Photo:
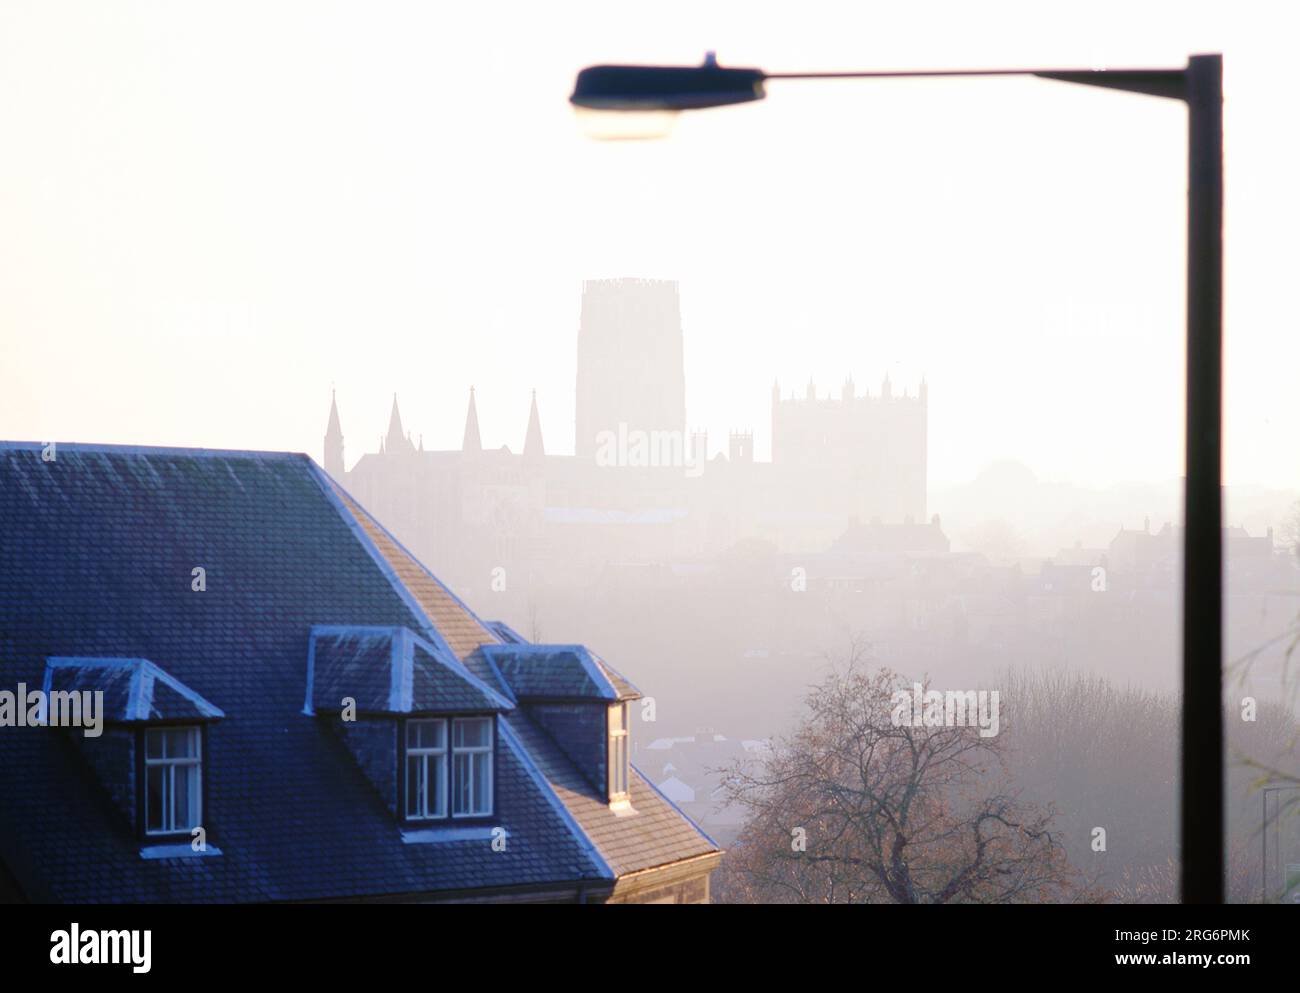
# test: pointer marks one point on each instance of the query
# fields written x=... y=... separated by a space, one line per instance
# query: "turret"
x=741 y=446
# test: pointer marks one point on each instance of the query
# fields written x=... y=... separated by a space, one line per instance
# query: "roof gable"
x=390 y=670
x=134 y=689
x=556 y=672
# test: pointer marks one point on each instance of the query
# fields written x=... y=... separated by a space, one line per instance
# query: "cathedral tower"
x=630 y=367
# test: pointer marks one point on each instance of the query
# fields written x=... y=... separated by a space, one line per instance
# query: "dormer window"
x=150 y=755
x=618 y=757
x=455 y=774
x=424 y=728
x=580 y=702
x=173 y=780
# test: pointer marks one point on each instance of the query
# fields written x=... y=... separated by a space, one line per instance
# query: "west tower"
x=630 y=368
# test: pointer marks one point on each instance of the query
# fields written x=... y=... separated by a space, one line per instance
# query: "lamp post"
x=659 y=90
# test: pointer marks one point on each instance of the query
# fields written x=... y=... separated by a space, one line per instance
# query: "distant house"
x=294 y=708
x=677 y=791
x=692 y=771
x=1153 y=557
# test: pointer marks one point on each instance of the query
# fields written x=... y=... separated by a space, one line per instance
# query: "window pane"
x=437 y=786
x=154 y=780
x=186 y=805
x=482 y=780
x=413 y=785
x=154 y=744
x=181 y=742
x=426 y=770
x=460 y=784
x=473 y=732
x=426 y=734
x=435 y=734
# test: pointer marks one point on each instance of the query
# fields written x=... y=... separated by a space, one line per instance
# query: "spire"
x=334 y=440
x=333 y=429
x=395 y=425
x=886 y=388
x=533 y=447
x=396 y=439
x=471 y=442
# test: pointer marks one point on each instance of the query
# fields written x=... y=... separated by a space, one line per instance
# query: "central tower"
x=630 y=368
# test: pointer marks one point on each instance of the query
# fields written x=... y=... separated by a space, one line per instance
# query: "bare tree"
x=997 y=541
x=1289 y=532
x=534 y=622
x=1108 y=756
x=856 y=808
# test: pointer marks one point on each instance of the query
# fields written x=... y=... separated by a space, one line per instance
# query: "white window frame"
x=490 y=751
x=170 y=764
x=617 y=755
x=424 y=754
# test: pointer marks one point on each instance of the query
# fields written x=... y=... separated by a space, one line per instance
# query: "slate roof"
x=96 y=553
x=556 y=672
x=657 y=832
x=391 y=671
x=134 y=689
x=454 y=624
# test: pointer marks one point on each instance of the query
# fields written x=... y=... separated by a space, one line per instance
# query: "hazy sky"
x=211 y=213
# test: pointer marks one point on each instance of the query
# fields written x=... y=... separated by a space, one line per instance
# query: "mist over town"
x=752 y=455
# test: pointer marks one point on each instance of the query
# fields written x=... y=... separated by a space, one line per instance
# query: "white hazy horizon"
x=211 y=215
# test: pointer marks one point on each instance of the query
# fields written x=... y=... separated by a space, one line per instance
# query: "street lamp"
x=635 y=91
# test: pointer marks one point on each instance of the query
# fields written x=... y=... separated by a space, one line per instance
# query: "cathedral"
x=639 y=487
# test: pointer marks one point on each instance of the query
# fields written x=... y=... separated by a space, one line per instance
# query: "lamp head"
x=658 y=92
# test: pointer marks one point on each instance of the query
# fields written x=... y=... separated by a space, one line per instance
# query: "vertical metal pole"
x=1202 y=727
